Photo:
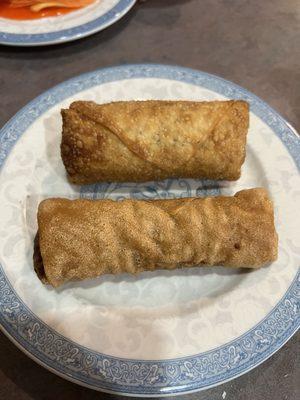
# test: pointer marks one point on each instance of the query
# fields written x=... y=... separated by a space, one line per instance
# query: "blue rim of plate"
x=142 y=377
x=68 y=35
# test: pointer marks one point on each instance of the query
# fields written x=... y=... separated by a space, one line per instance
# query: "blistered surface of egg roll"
x=153 y=140
x=80 y=239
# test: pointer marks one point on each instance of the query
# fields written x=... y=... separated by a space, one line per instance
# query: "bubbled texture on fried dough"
x=81 y=239
x=153 y=140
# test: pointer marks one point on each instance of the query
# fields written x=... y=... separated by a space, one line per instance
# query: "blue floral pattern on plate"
x=140 y=377
x=167 y=189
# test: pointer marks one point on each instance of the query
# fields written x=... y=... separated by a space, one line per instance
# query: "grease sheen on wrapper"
x=80 y=239
x=153 y=140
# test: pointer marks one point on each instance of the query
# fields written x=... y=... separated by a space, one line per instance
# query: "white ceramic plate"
x=161 y=332
x=72 y=26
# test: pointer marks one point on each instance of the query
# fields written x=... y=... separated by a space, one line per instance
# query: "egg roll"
x=79 y=239
x=132 y=141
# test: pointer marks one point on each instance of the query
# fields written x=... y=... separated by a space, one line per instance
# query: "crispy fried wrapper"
x=79 y=239
x=153 y=140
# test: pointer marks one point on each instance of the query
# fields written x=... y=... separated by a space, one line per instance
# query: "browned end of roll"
x=38 y=259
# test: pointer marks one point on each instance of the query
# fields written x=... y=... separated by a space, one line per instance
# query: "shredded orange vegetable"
x=38 y=5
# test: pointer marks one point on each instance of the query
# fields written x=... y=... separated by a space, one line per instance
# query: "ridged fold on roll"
x=153 y=140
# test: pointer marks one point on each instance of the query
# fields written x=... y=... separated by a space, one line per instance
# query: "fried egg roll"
x=79 y=239
x=131 y=141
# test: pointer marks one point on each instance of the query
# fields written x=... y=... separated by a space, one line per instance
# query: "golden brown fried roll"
x=80 y=239
x=152 y=140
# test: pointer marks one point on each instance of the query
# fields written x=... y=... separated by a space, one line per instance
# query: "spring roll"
x=153 y=140
x=80 y=239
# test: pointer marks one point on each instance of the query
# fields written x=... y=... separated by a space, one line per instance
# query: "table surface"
x=252 y=43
